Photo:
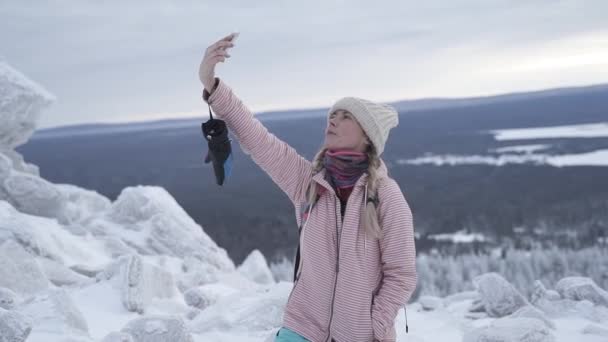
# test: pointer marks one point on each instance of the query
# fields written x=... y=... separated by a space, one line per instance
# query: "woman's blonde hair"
x=369 y=217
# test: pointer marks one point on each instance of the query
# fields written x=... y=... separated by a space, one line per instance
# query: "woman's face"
x=343 y=132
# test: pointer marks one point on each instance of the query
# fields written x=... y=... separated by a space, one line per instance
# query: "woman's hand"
x=215 y=53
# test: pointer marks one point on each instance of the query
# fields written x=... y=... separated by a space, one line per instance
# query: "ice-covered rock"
x=21 y=103
x=86 y=270
x=582 y=288
x=13 y=161
x=158 y=328
x=60 y=275
x=572 y=308
x=19 y=271
x=429 y=303
x=255 y=268
x=81 y=204
x=14 y=327
x=156 y=224
x=506 y=329
x=118 y=337
x=259 y=309
x=499 y=297
x=594 y=329
x=143 y=281
x=8 y=298
x=540 y=292
x=33 y=195
x=198 y=298
x=532 y=312
x=54 y=312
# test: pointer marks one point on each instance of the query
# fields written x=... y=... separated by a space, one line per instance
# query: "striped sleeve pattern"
x=288 y=169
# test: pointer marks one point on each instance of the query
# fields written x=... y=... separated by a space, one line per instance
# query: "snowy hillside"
x=77 y=267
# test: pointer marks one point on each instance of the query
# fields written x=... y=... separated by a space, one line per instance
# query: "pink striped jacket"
x=349 y=287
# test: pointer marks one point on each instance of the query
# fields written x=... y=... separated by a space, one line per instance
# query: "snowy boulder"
x=572 y=308
x=160 y=226
x=14 y=327
x=81 y=203
x=86 y=270
x=511 y=330
x=429 y=303
x=33 y=195
x=256 y=269
x=594 y=329
x=498 y=296
x=118 y=337
x=581 y=288
x=6 y=166
x=60 y=275
x=17 y=163
x=19 y=271
x=21 y=103
x=45 y=237
x=141 y=282
x=199 y=299
x=532 y=312
x=54 y=312
x=8 y=298
x=158 y=329
x=540 y=292
x=247 y=311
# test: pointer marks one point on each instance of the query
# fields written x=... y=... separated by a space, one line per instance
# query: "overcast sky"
x=118 y=61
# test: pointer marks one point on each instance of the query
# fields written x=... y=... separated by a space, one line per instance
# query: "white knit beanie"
x=376 y=119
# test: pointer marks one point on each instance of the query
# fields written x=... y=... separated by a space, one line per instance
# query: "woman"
x=357 y=266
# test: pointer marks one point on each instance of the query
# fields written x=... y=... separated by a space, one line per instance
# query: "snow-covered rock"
x=256 y=310
x=199 y=298
x=33 y=195
x=594 y=329
x=19 y=271
x=54 y=312
x=582 y=288
x=21 y=104
x=540 y=292
x=81 y=204
x=142 y=282
x=158 y=328
x=532 y=312
x=572 y=308
x=156 y=224
x=118 y=337
x=8 y=298
x=60 y=275
x=256 y=268
x=499 y=297
x=511 y=330
x=14 y=327
x=47 y=238
x=430 y=302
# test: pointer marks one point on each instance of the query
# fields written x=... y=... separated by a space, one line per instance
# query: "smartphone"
x=236 y=35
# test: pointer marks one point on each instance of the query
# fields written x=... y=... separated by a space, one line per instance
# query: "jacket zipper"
x=336 y=278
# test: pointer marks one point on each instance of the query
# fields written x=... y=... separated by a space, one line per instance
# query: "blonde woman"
x=357 y=254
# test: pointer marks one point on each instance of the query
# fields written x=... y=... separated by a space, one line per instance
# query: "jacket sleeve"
x=398 y=258
x=288 y=169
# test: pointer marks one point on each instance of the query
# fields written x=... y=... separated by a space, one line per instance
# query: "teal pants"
x=288 y=335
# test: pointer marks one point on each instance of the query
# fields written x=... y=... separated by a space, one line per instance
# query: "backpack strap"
x=303 y=218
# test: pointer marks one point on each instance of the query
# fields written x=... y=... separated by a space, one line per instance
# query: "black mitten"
x=220 y=151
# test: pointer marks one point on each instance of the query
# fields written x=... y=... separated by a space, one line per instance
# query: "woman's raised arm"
x=285 y=166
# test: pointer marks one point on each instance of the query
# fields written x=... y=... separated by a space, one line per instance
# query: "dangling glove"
x=220 y=150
